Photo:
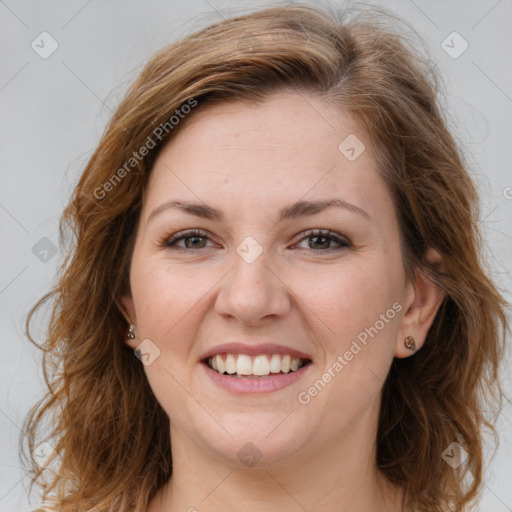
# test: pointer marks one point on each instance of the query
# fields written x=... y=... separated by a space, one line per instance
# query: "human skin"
x=249 y=161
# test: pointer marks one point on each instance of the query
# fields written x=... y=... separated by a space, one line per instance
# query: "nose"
x=252 y=291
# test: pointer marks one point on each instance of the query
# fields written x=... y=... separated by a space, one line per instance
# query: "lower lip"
x=257 y=384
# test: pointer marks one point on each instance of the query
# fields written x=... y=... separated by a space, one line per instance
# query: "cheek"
x=163 y=290
x=355 y=315
x=359 y=310
x=351 y=297
x=171 y=302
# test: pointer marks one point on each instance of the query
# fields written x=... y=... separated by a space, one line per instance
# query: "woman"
x=276 y=300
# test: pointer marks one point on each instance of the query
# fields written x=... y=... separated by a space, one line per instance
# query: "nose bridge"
x=251 y=291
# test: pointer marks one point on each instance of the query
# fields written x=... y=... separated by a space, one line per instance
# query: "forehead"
x=286 y=147
x=285 y=120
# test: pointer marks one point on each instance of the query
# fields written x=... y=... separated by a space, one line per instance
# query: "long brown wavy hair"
x=110 y=435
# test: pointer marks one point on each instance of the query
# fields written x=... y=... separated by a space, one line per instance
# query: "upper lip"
x=254 y=350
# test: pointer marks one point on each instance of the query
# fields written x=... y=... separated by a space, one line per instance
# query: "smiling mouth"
x=243 y=366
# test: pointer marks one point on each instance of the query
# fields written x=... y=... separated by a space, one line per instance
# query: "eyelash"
x=343 y=243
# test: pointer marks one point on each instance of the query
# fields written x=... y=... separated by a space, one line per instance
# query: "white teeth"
x=261 y=365
x=230 y=364
x=275 y=363
x=244 y=365
x=221 y=365
x=285 y=363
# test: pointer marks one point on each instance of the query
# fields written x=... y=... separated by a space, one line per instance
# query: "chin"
x=256 y=440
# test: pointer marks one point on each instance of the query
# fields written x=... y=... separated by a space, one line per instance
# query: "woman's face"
x=261 y=284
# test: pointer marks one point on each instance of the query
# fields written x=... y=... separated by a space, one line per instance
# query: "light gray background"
x=54 y=110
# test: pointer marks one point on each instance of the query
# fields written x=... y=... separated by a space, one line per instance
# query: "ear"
x=128 y=310
x=424 y=299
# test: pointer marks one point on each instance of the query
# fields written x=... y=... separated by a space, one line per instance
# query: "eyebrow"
x=295 y=210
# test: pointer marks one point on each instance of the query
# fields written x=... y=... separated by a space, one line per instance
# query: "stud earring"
x=410 y=343
x=131 y=332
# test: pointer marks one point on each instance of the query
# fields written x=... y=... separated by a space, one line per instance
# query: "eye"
x=196 y=237
x=320 y=240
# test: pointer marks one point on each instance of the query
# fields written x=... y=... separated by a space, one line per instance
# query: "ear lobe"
x=128 y=309
x=420 y=314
